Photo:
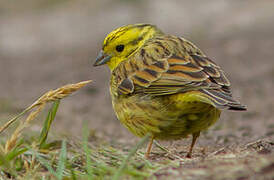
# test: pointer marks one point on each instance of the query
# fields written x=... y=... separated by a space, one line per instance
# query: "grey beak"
x=101 y=59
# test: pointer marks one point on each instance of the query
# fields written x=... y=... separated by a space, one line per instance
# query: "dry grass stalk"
x=50 y=96
x=59 y=93
x=26 y=165
x=14 y=137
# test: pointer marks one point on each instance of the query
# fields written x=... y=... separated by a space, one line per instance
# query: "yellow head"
x=123 y=42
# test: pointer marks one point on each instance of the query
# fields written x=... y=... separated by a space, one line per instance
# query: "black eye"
x=120 y=48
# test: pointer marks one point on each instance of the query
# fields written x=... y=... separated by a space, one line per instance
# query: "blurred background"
x=45 y=44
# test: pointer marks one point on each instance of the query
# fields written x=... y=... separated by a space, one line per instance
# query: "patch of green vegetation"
x=35 y=158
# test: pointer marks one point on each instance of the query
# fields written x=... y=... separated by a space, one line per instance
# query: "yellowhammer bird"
x=162 y=84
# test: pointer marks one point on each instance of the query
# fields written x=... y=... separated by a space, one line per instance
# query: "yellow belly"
x=166 y=117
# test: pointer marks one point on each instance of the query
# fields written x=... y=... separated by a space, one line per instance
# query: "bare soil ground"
x=46 y=45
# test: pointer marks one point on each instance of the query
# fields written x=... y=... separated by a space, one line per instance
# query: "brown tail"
x=224 y=100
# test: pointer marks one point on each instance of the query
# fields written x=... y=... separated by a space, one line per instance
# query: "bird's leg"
x=149 y=146
x=194 y=138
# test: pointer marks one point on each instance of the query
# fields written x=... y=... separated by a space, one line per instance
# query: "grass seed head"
x=48 y=97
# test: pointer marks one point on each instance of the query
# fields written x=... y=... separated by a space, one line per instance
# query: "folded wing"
x=181 y=74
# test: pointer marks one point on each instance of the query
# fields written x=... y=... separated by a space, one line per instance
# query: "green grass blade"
x=62 y=161
x=48 y=122
x=15 y=152
x=6 y=166
x=72 y=172
x=119 y=173
x=87 y=151
x=44 y=162
x=3 y=161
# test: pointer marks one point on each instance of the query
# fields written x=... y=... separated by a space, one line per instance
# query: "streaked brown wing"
x=173 y=75
x=176 y=74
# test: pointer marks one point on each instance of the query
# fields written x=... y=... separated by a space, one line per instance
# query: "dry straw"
x=50 y=96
